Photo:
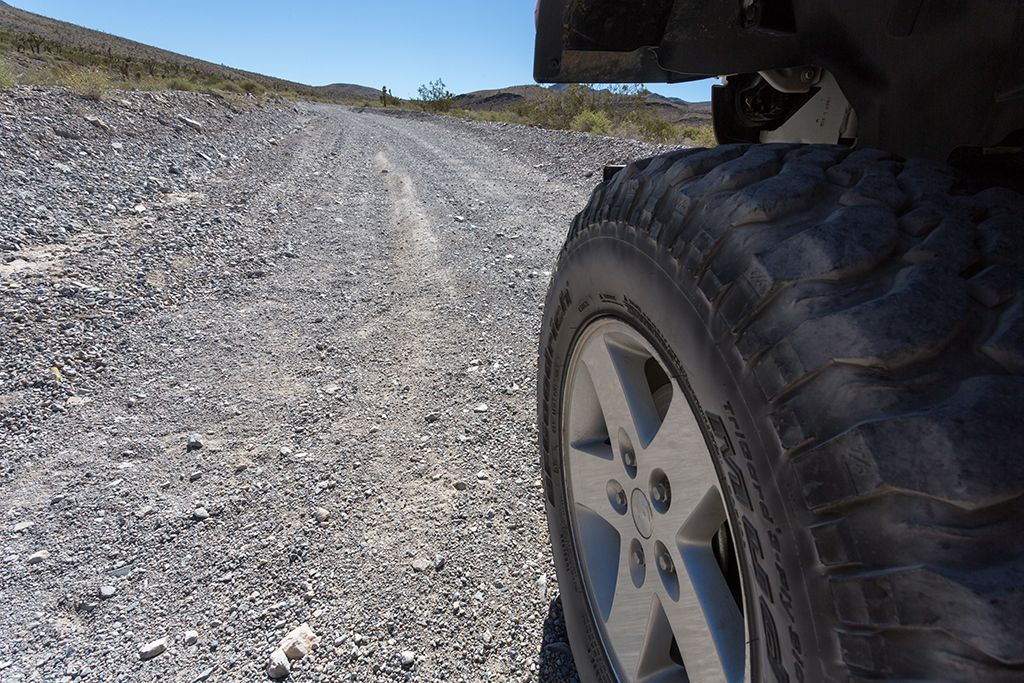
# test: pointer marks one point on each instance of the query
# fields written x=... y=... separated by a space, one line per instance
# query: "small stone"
x=322 y=515
x=204 y=675
x=285 y=450
x=408 y=658
x=278 y=666
x=23 y=526
x=480 y=408
x=460 y=486
x=433 y=417
x=107 y=592
x=144 y=510
x=487 y=637
x=421 y=564
x=99 y=123
x=191 y=637
x=151 y=650
x=194 y=125
x=36 y=558
x=200 y=514
x=438 y=562
x=482 y=474
x=298 y=642
x=195 y=442
x=195 y=476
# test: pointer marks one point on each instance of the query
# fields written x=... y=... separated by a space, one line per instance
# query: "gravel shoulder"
x=276 y=368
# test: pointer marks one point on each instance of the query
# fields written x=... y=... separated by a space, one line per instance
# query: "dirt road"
x=347 y=321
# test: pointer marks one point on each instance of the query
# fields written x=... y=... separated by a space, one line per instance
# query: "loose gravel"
x=268 y=370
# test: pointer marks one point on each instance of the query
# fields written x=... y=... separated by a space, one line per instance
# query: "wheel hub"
x=642 y=515
x=647 y=504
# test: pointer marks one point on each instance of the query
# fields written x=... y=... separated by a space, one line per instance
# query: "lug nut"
x=661 y=493
x=620 y=497
x=638 y=557
x=808 y=75
x=665 y=562
x=630 y=458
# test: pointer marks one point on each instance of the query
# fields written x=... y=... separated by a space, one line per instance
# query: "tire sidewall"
x=615 y=271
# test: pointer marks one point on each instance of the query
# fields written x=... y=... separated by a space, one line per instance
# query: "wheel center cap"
x=641 y=513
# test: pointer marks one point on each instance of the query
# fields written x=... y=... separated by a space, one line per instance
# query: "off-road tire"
x=848 y=331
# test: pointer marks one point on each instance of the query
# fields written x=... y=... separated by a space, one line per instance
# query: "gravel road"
x=273 y=364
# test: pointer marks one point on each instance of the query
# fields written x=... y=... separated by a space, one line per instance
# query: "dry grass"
x=92 y=84
x=6 y=81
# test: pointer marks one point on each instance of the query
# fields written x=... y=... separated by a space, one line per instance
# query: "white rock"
x=278 y=666
x=191 y=637
x=200 y=514
x=299 y=642
x=480 y=408
x=36 y=558
x=151 y=650
x=322 y=514
x=408 y=658
x=22 y=526
x=194 y=125
x=482 y=474
x=421 y=564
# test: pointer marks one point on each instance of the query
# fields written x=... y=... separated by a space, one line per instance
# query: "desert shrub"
x=657 y=130
x=701 y=137
x=252 y=87
x=618 y=104
x=231 y=87
x=179 y=84
x=591 y=121
x=435 y=97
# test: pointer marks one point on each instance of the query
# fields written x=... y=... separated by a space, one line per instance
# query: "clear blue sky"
x=402 y=44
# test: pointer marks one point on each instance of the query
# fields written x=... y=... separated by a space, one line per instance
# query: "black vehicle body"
x=925 y=77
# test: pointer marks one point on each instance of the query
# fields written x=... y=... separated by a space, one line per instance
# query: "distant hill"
x=501 y=99
x=699 y=106
x=53 y=36
x=360 y=91
x=672 y=109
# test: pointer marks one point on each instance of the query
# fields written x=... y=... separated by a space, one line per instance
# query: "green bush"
x=180 y=84
x=701 y=137
x=434 y=97
x=252 y=87
x=657 y=130
x=231 y=87
x=591 y=121
x=619 y=104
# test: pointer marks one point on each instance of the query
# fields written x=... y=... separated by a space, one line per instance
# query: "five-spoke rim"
x=646 y=508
